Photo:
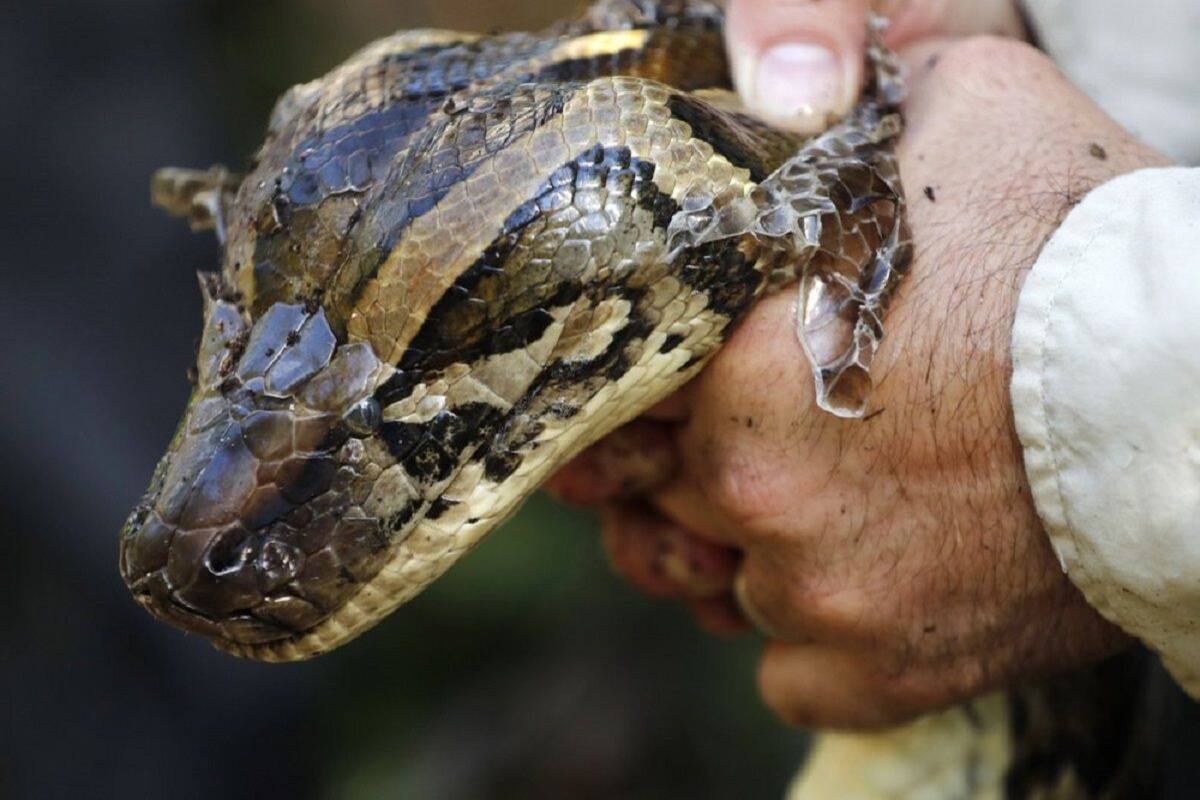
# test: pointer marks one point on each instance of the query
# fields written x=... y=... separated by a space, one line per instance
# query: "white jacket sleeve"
x=1106 y=394
x=1138 y=60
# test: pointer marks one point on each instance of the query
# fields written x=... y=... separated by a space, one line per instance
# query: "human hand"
x=796 y=62
x=897 y=563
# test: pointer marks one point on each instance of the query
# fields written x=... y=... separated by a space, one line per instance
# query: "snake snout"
x=254 y=529
x=249 y=533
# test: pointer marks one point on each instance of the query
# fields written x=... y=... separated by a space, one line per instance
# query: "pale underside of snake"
x=458 y=260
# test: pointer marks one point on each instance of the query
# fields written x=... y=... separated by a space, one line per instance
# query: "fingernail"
x=799 y=80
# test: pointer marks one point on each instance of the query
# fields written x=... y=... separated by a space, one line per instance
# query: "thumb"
x=797 y=62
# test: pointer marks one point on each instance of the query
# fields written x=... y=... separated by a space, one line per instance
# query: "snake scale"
x=456 y=261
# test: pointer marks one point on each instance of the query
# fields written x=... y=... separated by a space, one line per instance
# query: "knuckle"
x=732 y=486
x=619 y=545
x=744 y=486
x=834 y=609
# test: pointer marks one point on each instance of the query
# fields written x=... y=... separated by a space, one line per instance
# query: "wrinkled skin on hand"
x=897 y=563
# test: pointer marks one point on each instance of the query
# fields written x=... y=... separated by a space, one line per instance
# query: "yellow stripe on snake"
x=456 y=261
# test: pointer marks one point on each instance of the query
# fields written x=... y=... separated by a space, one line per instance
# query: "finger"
x=682 y=501
x=662 y=559
x=793 y=591
x=629 y=462
x=796 y=63
x=633 y=542
x=765 y=591
x=701 y=568
x=818 y=686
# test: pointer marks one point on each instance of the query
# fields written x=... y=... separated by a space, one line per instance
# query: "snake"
x=458 y=260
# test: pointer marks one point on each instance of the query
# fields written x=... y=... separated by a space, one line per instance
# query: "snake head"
x=253 y=527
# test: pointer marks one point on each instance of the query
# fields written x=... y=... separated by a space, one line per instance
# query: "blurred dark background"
x=528 y=672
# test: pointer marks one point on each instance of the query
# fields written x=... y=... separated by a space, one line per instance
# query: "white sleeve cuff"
x=1106 y=394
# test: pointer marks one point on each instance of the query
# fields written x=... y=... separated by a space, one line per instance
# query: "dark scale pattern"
x=499 y=293
x=500 y=304
x=503 y=302
x=399 y=520
x=581 y=378
x=671 y=342
x=420 y=77
x=677 y=58
x=397 y=387
x=351 y=156
x=386 y=137
x=401 y=161
x=452 y=150
x=723 y=272
x=448 y=153
x=431 y=450
x=576 y=69
x=499 y=465
x=438 y=507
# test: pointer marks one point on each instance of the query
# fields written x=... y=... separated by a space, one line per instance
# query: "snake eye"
x=364 y=417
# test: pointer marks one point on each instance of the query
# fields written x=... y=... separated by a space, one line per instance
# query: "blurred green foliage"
x=531 y=671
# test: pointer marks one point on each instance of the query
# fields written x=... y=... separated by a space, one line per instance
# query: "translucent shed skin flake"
x=837 y=211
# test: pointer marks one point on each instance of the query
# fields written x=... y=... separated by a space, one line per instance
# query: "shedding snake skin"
x=458 y=260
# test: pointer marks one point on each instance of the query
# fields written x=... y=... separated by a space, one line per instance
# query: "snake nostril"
x=229 y=553
x=223 y=580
